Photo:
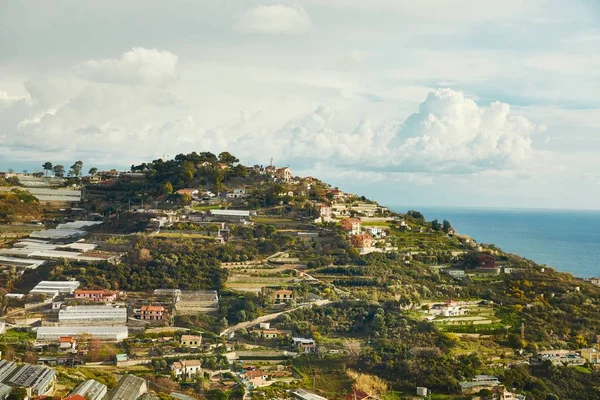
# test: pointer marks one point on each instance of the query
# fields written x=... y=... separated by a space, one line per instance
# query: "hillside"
x=410 y=301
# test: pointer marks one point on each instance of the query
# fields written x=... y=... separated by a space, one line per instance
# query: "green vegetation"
x=379 y=328
x=18 y=204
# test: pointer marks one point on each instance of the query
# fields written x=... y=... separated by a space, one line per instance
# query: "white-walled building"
x=93 y=315
x=106 y=333
x=186 y=368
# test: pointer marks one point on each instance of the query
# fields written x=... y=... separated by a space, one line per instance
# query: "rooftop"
x=231 y=213
x=190 y=337
x=306 y=395
x=153 y=308
x=130 y=387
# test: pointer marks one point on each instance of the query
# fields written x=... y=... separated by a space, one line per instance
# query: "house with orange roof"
x=362 y=241
x=190 y=192
x=153 y=313
x=283 y=174
x=351 y=225
x=67 y=344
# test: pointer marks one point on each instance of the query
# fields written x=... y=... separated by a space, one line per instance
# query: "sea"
x=566 y=240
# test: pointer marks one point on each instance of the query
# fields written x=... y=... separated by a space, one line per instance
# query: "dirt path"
x=269 y=317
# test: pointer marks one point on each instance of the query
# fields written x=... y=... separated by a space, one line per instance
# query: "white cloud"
x=275 y=18
x=451 y=133
x=139 y=66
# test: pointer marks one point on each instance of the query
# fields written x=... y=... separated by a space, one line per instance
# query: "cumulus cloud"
x=139 y=66
x=275 y=19
x=451 y=133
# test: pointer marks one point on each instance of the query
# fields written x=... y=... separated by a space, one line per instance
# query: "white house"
x=186 y=368
x=377 y=232
x=237 y=194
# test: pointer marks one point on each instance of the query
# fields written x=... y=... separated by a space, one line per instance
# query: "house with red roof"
x=153 y=313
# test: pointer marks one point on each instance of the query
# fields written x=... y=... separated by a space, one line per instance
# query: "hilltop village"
x=199 y=277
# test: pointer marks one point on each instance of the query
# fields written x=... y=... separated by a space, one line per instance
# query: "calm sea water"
x=566 y=240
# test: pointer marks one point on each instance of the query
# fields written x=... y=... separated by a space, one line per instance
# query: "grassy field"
x=326 y=375
x=266 y=219
x=207 y=207
x=182 y=235
x=254 y=279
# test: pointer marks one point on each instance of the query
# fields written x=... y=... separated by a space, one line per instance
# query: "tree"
x=446 y=226
x=217 y=394
x=227 y=158
x=76 y=169
x=25 y=171
x=47 y=167
x=93 y=171
x=435 y=225
x=59 y=170
x=167 y=188
x=10 y=170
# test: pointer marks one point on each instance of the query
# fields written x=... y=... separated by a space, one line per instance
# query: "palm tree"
x=47 y=167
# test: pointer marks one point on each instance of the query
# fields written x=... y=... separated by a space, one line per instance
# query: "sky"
x=432 y=102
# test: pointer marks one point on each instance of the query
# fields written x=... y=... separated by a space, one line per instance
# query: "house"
x=191 y=340
x=207 y=194
x=336 y=194
x=591 y=355
x=272 y=333
x=594 y=281
x=283 y=296
x=307 y=346
x=362 y=241
x=193 y=193
x=129 y=387
x=351 y=225
x=448 y=309
x=67 y=344
x=486 y=263
x=324 y=211
x=99 y=296
x=237 y=194
x=186 y=368
x=153 y=313
x=270 y=170
x=283 y=174
x=301 y=394
x=377 y=232
x=222 y=166
x=255 y=378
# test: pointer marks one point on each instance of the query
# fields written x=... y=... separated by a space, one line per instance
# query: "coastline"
x=562 y=239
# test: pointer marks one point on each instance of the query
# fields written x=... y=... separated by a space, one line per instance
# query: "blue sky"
x=462 y=103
